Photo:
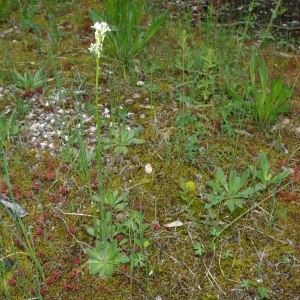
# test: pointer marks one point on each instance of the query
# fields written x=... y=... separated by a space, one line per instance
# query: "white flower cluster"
x=101 y=29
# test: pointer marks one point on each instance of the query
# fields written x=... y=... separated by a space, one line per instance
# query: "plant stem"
x=99 y=158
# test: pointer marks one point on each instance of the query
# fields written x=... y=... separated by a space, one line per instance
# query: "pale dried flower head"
x=101 y=29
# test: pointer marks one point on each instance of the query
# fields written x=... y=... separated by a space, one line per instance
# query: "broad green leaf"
x=104 y=261
x=252 y=70
x=244 y=178
x=221 y=178
x=280 y=177
x=233 y=180
x=265 y=167
x=263 y=74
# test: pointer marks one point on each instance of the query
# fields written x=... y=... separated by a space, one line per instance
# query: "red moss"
x=76 y=261
x=4 y=188
x=36 y=185
x=27 y=94
x=72 y=286
x=75 y=274
x=17 y=192
x=64 y=191
x=11 y=281
x=22 y=272
x=40 y=230
x=156 y=226
x=43 y=290
x=119 y=237
x=71 y=230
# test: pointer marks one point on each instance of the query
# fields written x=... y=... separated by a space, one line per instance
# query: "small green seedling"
x=199 y=248
x=29 y=82
x=121 y=139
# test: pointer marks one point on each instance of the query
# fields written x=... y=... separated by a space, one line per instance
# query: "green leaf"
x=244 y=178
x=146 y=36
x=98 y=264
x=146 y=244
x=233 y=181
x=233 y=203
x=263 y=74
x=104 y=261
x=252 y=70
x=265 y=167
x=91 y=231
x=220 y=177
x=199 y=249
x=280 y=177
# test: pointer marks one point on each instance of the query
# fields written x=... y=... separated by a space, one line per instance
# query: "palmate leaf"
x=105 y=261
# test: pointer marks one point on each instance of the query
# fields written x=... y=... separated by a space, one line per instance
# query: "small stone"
x=34 y=126
x=148 y=169
x=93 y=129
x=285 y=121
x=43 y=145
x=140 y=83
x=30 y=116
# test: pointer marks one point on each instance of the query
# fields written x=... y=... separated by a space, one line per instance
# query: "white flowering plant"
x=128 y=36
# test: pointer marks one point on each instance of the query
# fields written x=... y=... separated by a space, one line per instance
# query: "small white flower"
x=148 y=169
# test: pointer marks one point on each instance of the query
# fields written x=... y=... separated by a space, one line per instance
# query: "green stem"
x=270 y=23
x=99 y=157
